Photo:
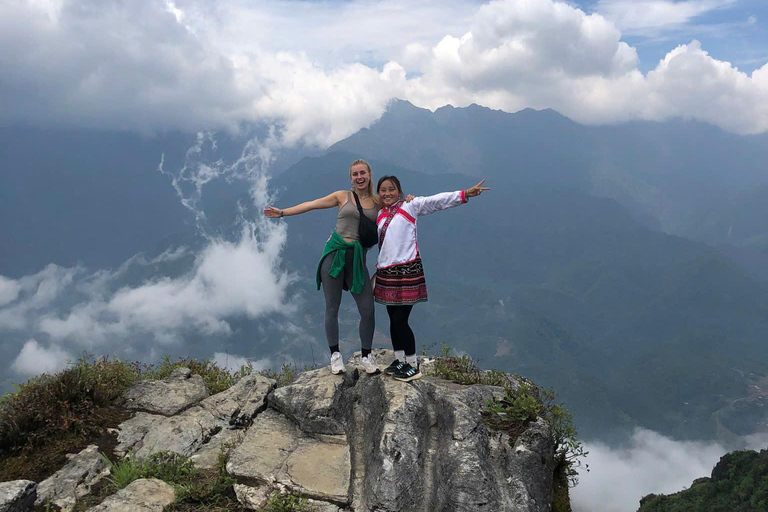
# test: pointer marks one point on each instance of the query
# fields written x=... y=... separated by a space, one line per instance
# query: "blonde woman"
x=342 y=265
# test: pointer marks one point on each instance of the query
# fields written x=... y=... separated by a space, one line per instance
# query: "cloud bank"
x=323 y=73
x=652 y=463
x=150 y=303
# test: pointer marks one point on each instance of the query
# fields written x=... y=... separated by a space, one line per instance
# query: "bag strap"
x=357 y=200
x=391 y=215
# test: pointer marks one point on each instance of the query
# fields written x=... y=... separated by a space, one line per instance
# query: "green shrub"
x=212 y=490
x=62 y=404
x=287 y=503
x=205 y=490
x=125 y=471
x=169 y=467
x=518 y=406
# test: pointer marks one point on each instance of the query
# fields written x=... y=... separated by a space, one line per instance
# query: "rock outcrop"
x=188 y=432
x=17 y=496
x=370 y=443
x=74 y=480
x=352 y=443
x=167 y=396
x=143 y=495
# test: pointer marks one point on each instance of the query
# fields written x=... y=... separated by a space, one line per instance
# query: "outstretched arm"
x=321 y=203
x=438 y=202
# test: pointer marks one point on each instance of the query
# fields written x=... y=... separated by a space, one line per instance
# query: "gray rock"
x=415 y=446
x=133 y=430
x=275 y=451
x=313 y=401
x=190 y=431
x=238 y=405
x=360 y=442
x=184 y=433
x=144 y=495
x=207 y=457
x=256 y=498
x=17 y=495
x=74 y=480
x=167 y=396
x=527 y=466
x=252 y=498
x=322 y=506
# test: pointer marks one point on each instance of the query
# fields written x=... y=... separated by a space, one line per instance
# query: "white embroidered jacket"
x=400 y=241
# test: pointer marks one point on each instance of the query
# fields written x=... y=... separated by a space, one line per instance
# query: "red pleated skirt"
x=401 y=285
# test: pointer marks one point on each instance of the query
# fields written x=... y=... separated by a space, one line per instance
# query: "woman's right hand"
x=273 y=213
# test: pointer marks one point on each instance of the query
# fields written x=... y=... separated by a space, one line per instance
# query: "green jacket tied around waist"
x=338 y=244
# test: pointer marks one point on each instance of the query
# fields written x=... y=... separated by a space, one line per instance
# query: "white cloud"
x=650 y=17
x=233 y=362
x=225 y=280
x=323 y=71
x=321 y=106
x=690 y=83
x=107 y=63
x=331 y=34
x=228 y=279
x=652 y=463
x=34 y=293
x=35 y=359
x=9 y=290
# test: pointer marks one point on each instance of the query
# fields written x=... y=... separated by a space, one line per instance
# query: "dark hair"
x=393 y=179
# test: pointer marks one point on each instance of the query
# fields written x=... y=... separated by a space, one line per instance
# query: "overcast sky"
x=324 y=69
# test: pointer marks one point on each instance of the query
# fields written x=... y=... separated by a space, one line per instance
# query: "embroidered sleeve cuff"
x=464 y=197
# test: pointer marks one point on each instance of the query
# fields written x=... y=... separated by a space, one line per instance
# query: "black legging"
x=400 y=331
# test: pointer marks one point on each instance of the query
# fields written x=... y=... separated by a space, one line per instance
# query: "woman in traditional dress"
x=399 y=275
x=342 y=265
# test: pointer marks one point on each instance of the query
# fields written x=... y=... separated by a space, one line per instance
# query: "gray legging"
x=332 y=287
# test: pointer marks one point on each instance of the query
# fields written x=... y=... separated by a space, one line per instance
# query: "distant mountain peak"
x=399 y=107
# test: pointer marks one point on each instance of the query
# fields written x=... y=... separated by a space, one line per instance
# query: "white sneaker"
x=337 y=363
x=369 y=364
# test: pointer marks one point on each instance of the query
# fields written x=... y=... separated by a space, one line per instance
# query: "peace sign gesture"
x=476 y=190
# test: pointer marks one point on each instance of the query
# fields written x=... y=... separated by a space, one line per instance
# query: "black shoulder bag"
x=369 y=233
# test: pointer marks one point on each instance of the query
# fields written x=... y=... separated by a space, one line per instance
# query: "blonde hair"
x=370 y=175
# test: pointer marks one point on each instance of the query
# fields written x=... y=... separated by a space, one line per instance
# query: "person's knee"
x=332 y=310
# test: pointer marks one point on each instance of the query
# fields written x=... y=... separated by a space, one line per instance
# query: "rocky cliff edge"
x=351 y=442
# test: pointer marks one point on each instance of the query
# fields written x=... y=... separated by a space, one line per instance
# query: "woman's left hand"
x=477 y=189
x=409 y=198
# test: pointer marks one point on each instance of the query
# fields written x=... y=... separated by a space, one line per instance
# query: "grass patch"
x=52 y=415
x=216 y=378
x=168 y=467
x=287 y=373
x=196 y=489
x=463 y=370
x=289 y=502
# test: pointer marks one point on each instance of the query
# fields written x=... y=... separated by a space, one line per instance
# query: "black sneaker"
x=407 y=373
x=394 y=366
